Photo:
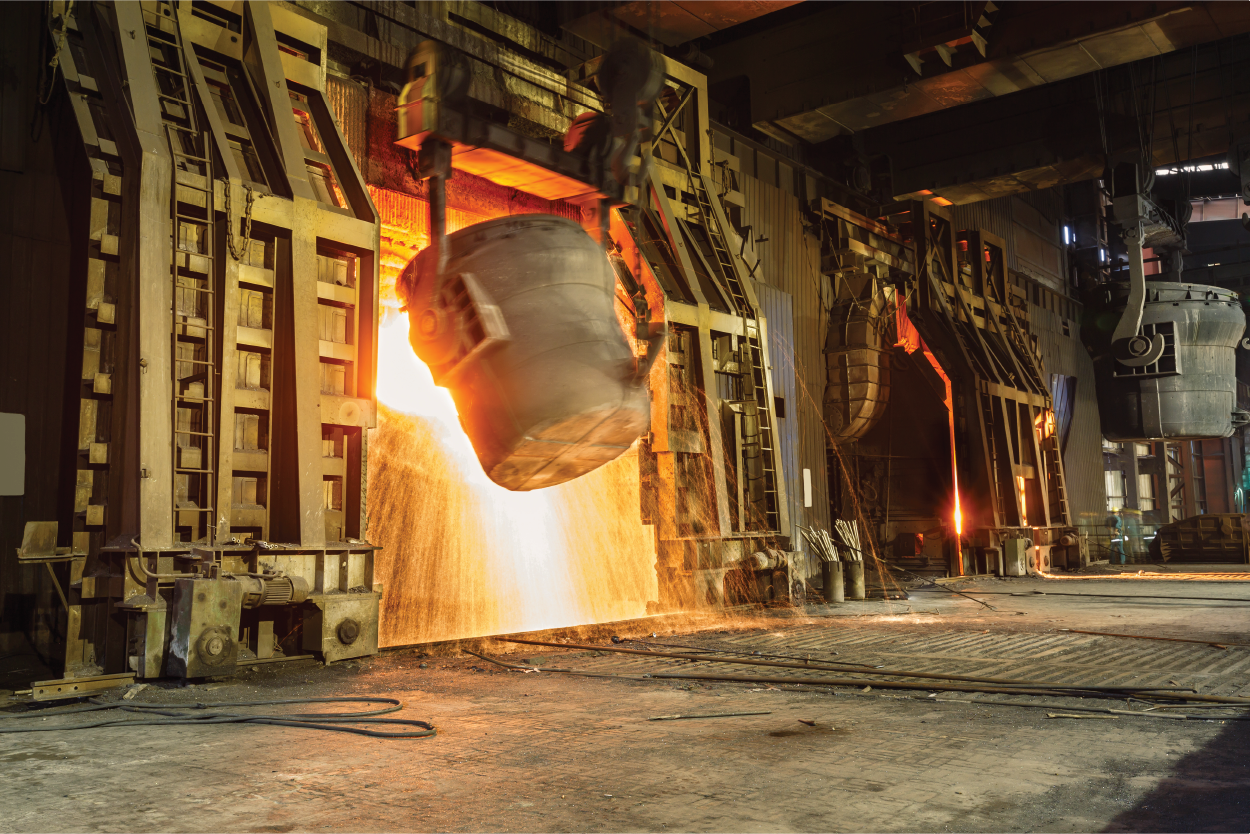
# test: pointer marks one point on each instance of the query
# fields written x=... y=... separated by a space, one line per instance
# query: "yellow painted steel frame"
x=694 y=482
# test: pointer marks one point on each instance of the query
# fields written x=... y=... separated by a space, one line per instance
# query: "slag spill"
x=464 y=557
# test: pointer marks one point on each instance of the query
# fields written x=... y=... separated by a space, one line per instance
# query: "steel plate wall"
x=777 y=308
x=1082 y=459
x=789 y=261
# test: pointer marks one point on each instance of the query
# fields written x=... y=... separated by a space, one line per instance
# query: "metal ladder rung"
x=191 y=157
x=195 y=187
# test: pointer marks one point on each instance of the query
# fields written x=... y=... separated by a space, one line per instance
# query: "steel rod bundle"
x=848 y=532
x=821 y=543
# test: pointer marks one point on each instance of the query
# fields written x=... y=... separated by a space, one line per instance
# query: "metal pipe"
x=1211 y=643
x=854 y=580
x=147 y=574
x=438 y=222
x=831 y=578
x=1059 y=690
x=836 y=667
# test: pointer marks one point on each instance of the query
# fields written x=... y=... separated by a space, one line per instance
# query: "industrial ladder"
x=1055 y=484
x=194 y=376
x=733 y=283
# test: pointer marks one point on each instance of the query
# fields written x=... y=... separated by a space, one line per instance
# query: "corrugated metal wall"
x=789 y=260
x=350 y=102
x=777 y=307
x=1032 y=226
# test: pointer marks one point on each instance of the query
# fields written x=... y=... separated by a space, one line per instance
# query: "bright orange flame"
x=959 y=515
x=1044 y=423
x=1024 y=510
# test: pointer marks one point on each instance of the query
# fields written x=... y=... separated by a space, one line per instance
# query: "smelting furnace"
x=227 y=257
x=678 y=314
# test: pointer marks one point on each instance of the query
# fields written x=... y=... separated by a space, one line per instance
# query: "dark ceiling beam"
x=847 y=69
x=670 y=22
x=1055 y=134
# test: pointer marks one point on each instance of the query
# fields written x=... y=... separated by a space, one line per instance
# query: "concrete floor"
x=550 y=752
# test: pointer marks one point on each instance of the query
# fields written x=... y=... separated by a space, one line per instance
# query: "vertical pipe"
x=832 y=582
x=854 y=579
x=438 y=221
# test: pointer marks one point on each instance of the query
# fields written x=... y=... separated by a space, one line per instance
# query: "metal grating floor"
x=1072 y=659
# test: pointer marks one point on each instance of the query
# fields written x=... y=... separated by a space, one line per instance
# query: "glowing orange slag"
x=464 y=557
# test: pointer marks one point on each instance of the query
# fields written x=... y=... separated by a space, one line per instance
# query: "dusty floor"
x=544 y=751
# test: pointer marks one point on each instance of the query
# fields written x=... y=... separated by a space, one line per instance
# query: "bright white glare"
x=1214 y=166
x=1102 y=256
x=1067 y=235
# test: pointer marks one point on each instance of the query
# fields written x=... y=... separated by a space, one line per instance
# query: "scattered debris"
x=134 y=690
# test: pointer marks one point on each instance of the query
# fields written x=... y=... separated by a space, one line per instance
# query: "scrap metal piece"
x=58 y=690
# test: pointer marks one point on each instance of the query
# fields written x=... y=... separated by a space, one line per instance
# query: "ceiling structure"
x=966 y=100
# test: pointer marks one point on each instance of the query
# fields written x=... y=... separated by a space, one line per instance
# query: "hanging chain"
x=238 y=254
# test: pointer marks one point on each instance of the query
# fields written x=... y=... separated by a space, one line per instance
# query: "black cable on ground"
x=936 y=585
x=1054 y=690
x=886 y=685
x=212 y=714
x=742 y=651
x=1109 y=596
x=834 y=666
